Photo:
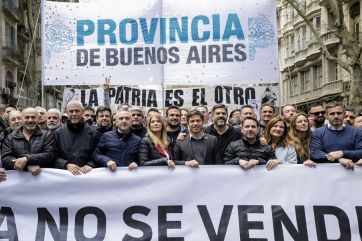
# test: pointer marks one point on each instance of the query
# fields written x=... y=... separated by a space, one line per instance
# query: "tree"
x=350 y=45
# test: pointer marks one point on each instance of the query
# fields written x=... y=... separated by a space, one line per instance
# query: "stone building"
x=20 y=56
x=307 y=76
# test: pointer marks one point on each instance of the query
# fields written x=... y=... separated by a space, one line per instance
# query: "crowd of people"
x=84 y=139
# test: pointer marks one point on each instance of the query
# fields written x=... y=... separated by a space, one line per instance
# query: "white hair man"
x=54 y=117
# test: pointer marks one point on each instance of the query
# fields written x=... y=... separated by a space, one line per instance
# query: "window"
x=356 y=30
x=290 y=46
x=317 y=26
x=318 y=74
x=294 y=85
x=305 y=81
x=336 y=74
x=318 y=23
x=9 y=35
x=304 y=37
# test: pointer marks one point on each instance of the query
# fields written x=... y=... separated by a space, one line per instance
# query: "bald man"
x=28 y=148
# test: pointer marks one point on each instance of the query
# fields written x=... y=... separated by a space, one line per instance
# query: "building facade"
x=307 y=76
x=20 y=56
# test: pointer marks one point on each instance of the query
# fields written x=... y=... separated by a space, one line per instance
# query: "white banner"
x=291 y=202
x=233 y=96
x=160 y=41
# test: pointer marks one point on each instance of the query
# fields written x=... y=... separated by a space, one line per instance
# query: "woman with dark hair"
x=275 y=135
x=153 y=150
x=299 y=136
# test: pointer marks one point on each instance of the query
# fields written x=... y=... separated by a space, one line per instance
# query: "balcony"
x=10 y=8
x=23 y=34
x=313 y=7
x=330 y=88
x=10 y=54
x=330 y=40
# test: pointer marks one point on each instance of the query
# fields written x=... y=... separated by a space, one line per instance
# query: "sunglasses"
x=319 y=113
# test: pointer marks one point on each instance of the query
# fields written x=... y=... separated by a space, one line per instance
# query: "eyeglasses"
x=319 y=113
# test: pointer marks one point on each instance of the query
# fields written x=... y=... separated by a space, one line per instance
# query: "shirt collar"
x=330 y=127
x=197 y=138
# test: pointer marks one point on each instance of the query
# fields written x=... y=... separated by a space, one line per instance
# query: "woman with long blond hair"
x=275 y=135
x=299 y=136
x=153 y=150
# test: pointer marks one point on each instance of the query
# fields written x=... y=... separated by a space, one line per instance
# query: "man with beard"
x=350 y=116
x=198 y=148
x=42 y=123
x=54 y=118
x=336 y=141
x=75 y=142
x=14 y=120
x=88 y=115
x=103 y=120
x=248 y=151
x=224 y=133
x=316 y=117
x=137 y=122
x=118 y=148
x=173 y=118
x=29 y=148
x=288 y=113
x=234 y=118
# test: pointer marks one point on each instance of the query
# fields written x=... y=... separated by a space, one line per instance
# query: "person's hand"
x=243 y=163
x=34 y=170
x=74 y=169
x=132 y=166
x=272 y=163
x=181 y=136
x=309 y=163
x=192 y=163
x=171 y=164
x=359 y=162
x=106 y=83
x=2 y=174
x=20 y=163
x=347 y=163
x=334 y=155
x=251 y=163
x=86 y=169
x=263 y=141
x=112 y=165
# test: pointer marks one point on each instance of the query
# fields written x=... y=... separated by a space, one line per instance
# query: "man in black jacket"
x=198 y=147
x=248 y=151
x=75 y=142
x=103 y=120
x=137 y=122
x=29 y=147
x=224 y=133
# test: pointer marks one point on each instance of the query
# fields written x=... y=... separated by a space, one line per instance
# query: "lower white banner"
x=291 y=202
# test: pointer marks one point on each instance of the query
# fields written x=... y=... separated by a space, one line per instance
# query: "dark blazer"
x=183 y=150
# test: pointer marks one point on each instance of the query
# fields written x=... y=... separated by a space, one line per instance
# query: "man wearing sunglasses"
x=316 y=117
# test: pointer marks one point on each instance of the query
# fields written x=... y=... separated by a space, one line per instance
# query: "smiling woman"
x=275 y=135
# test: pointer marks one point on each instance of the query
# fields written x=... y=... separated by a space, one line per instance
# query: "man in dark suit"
x=198 y=148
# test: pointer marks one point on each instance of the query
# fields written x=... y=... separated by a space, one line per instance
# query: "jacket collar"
x=77 y=127
x=19 y=132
